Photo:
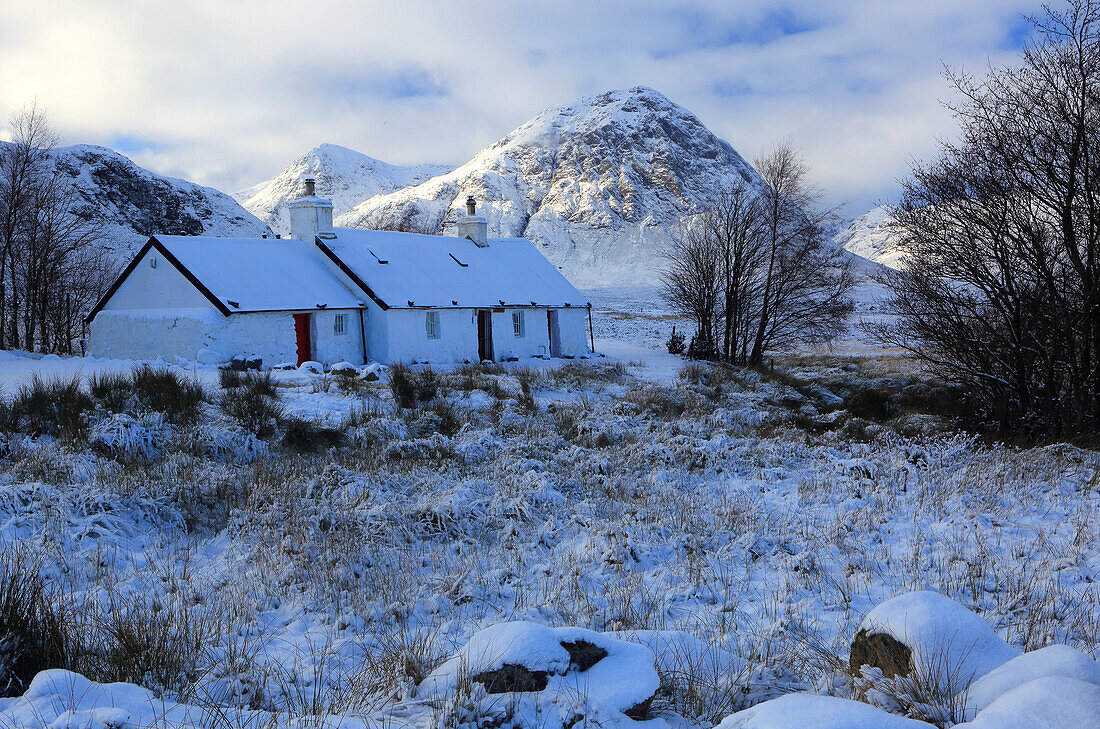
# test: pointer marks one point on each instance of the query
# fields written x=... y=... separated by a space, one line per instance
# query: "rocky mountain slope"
x=343 y=175
x=133 y=203
x=869 y=236
x=598 y=184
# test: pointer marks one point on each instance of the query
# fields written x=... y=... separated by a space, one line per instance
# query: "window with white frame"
x=340 y=324
x=519 y=327
x=431 y=324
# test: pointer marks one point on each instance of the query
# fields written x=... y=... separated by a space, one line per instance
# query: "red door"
x=301 y=333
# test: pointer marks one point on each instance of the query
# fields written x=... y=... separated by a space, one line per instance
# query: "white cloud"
x=226 y=92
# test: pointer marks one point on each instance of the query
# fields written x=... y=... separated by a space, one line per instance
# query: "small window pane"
x=518 y=324
x=431 y=324
x=339 y=324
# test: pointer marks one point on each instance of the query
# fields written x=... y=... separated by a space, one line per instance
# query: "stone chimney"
x=311 y=216
x=473 y=226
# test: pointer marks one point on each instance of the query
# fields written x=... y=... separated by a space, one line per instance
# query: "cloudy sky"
x=227 y=92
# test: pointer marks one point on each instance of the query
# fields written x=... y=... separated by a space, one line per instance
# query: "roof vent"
x=311 y=187
x=471 y=206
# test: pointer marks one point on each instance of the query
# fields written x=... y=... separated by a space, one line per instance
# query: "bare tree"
x=21 y=164
x=736 y=224
x=761 y=266
x=1001 y=289
x=51 y=266
x=800 y=261
x=692 y=282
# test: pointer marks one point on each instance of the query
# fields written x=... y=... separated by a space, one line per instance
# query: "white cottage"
x=334 y=294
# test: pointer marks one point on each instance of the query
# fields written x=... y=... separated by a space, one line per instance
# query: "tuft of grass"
x=366 y=412
x=255 y=411
x=230 y=377
x=403 y=386
x=262 y=383
x=152 y=645
x=449 y=421
x=308 y=436
x=52 y=407
x=659 y=401
x=113 y=389
x=34 y=633
x=932 y=692
x=411 y=387
x=178 y=397
x=349 y=382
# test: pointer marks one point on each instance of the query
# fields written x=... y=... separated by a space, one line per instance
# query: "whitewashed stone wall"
x=205 y=335
x=408 y=335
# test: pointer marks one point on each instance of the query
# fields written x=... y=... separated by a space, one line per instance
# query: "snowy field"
x=679 y=544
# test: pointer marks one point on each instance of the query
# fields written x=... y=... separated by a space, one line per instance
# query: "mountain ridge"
x=346 y=177
x=132 y=203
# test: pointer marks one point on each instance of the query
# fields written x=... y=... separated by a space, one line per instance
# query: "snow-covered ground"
x=735 y=528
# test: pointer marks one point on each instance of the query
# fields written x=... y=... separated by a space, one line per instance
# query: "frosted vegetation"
x=299 y=549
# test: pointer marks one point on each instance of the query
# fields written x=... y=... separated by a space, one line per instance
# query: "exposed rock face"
x=598 y=184
x=133 y=203
x=880 y=651
x=509 y=678
x=344 y=176
x=583 y=654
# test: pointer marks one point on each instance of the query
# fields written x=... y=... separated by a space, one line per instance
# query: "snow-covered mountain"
x=132 y=203
x=869 y=236
x=343 y=175
x=598 y=184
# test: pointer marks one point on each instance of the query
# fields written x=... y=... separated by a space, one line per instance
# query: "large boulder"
x=799 y=711
x=554 y=676
x=1054 y=660
x=931 y=632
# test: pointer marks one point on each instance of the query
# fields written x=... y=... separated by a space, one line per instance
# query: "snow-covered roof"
x=260 y=274
x=412 y=270
x=247 y=274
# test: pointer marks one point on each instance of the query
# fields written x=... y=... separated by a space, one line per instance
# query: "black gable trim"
x=351 y=274
x=154 y=243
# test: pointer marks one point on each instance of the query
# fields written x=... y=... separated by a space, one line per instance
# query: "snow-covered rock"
x=1051 y=702
x=132 y=203
x=798 y=711
x=556 y=673
x=312 y=367
x=869 y=236
x=941 y=635
x=1054 y=660
x=344 y=176
x=372 y=372
x=59 y=699
x=597 y=184
x=343 y=368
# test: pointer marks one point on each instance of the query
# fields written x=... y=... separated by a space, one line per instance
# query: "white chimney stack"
x=311 y=216
x=473 y=226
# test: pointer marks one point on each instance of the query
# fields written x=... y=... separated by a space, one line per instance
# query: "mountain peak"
x=343 y=175
x=598 y=184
